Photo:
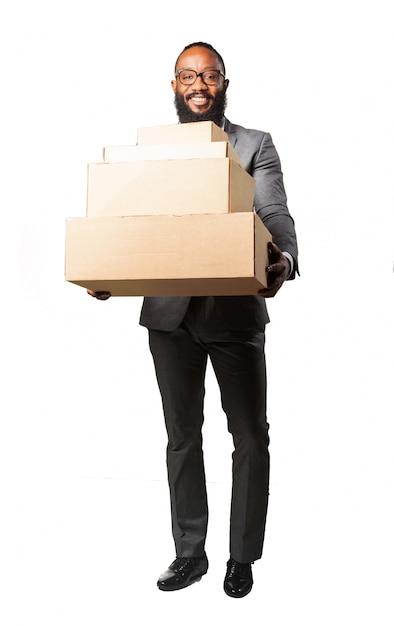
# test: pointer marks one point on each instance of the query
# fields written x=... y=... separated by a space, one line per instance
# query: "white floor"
x=87 y=551
x=87 y=531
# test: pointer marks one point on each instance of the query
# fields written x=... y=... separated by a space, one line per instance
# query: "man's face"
x=200 y=102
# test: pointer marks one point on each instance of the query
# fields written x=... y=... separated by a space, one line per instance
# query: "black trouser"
x=238 y=361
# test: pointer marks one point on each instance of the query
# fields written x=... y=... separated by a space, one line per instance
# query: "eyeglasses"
x=209 y=77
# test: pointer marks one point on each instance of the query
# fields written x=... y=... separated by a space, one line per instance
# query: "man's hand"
x=99 y=295
x=278 y=271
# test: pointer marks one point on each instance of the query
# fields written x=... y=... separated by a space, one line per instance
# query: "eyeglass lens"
x=210 y=77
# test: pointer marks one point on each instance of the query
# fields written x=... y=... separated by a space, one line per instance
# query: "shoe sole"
x=177 y=588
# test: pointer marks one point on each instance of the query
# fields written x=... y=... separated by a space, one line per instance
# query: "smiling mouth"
x=199 y=99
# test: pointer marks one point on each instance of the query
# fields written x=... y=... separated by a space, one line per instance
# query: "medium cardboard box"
x=165 y=255
x=165 y=151
x=175 y=187
x=181 y=133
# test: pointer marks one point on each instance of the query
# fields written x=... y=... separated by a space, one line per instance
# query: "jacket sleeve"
x=270 y=198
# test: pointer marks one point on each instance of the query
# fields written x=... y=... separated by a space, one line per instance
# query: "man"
x=184 y=332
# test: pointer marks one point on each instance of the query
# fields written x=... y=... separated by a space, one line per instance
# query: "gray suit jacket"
x=261 y=160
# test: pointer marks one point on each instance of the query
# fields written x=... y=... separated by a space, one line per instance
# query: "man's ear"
x=173 y=85
x=225 y=84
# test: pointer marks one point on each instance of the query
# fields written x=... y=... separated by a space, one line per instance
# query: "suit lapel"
x=230 y=130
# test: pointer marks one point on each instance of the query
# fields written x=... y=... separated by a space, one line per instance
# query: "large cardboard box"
x=181 y=133
x=174 y=187
x=197 y=255
x=165 y=151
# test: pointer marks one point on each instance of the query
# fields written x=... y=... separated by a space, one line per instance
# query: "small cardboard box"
x=175 y=187
x=195 y=255
x=181 y=133
x=165 y=151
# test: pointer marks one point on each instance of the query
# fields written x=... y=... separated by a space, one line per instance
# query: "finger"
x=268 y=292
x=275 y=268
x=102 y=295
x=273 y=249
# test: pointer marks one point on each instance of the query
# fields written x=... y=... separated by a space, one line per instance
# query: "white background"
x=86 y=529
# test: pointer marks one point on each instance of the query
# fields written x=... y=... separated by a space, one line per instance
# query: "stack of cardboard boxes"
x=172 y=215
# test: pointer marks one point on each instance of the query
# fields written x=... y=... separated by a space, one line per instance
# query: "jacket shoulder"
x=244 y=133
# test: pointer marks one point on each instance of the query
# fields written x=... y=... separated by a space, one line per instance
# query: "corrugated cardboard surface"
x=224 y=254
x=174 y=187
x=166 y=151
x=181 y=133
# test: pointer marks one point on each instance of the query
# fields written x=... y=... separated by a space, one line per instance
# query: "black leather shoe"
x=182 y=572
x=238 y=580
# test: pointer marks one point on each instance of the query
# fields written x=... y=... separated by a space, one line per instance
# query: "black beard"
x=214 y=114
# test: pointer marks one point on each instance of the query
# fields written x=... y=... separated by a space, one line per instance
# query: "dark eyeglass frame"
x=186 y=69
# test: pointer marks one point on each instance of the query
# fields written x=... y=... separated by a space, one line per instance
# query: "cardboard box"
x=168 y=256
x=181 y=133
x=166 y=151
x=175 y=187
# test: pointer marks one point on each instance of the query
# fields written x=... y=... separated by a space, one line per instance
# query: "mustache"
x=217 y=105
x=200 y=93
